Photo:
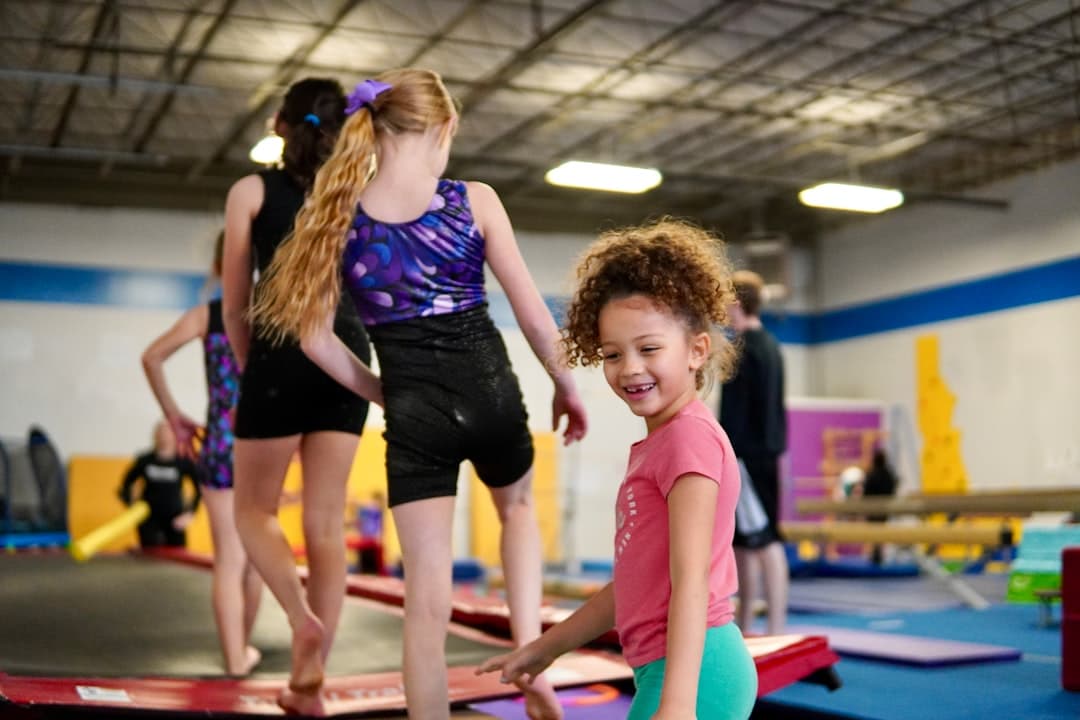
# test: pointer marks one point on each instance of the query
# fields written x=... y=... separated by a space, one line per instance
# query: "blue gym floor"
x=1029 y=689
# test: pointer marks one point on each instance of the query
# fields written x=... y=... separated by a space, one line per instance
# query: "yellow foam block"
x=942 y=463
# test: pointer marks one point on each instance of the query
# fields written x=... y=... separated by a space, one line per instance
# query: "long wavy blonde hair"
x=302 y=286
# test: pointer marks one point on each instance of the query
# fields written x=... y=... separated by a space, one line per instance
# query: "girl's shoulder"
x=696 y=417
x=476 y=192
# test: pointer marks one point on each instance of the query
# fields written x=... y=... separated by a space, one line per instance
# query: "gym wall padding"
x=94 y=480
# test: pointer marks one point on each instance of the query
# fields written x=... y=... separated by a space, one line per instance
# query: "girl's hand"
x=567 y=402
x=527 y=662
x=663 y=713
x=181 y=521
x=186 y=431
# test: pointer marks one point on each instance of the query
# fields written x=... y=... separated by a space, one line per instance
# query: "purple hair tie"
x=364 y=95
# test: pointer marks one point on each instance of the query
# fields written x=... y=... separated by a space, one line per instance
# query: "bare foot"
x=541 y=703
x=252 y=657
x=301 y=703
x=306 y=677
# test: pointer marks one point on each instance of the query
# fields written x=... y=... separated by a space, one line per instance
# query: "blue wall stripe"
x=1029 y=286
x=149 y=289
x=791 y=328
x=159 y=289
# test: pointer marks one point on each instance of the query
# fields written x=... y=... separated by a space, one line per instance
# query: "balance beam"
x=996 y=503
x=923 y=534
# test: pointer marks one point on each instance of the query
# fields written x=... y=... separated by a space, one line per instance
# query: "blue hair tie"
x=313 y=119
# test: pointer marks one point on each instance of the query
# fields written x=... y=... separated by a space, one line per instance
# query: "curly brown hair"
x=677 y=264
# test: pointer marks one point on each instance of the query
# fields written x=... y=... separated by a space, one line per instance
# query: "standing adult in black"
x=881 y=481
x=287 y=404
x=752 y=414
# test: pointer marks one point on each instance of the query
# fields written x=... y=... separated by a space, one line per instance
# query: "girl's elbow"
x=150 y=360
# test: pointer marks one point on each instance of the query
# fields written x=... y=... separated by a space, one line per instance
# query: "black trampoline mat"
x=134 y=616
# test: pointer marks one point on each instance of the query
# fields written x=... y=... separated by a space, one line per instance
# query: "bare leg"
x=253 y=587
x=229 y=597
x=424 y=529
x=259 y=468
x=326 y=458
x=775 y=567
x=747 y=564
x=519 y=548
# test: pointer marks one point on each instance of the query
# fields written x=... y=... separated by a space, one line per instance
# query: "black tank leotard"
x=282 y=392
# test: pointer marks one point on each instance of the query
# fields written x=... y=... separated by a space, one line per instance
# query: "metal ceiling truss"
x=738 y=102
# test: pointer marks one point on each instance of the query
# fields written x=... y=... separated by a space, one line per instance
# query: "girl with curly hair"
x=647 y=300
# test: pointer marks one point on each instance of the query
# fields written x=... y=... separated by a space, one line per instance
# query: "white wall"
x=75 y=369
x=1013 y=371
x=108 y=237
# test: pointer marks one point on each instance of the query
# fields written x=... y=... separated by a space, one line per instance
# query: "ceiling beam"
x=104 y=14
x=523 y=58
x=805 y=31
x=264 y=93
x=917 y=139
x=40 y=56
x=463 y=14
x=636 y=60
x=189 y=66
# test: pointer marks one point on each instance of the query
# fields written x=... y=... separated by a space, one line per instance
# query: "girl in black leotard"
x=286 y=403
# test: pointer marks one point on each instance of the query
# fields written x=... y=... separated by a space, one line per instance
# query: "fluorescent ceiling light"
x=601 y=176
x=268 y=150
x=857 y=198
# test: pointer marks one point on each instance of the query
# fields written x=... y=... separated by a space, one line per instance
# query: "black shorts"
x=765 y=476
x=284 y=393
x=451 y=396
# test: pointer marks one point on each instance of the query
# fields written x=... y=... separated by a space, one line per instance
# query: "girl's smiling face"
x=650 y=357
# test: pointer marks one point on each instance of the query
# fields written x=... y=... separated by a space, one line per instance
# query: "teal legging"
x=727 y=685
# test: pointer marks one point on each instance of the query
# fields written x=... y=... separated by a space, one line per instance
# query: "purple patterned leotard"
x=222 y=388
x=449 y=390
x=433 y=265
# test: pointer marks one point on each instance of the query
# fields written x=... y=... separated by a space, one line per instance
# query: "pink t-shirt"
x=690 y=442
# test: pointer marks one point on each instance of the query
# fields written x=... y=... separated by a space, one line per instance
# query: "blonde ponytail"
x=302 y=286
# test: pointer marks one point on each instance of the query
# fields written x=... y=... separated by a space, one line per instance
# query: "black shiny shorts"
x=451 y=396
x=283 y=393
